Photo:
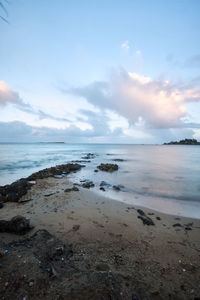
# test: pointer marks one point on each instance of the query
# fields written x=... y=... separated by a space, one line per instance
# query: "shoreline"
x=100 y=248
x=110 y=244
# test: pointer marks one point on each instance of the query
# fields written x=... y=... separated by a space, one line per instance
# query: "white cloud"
x=7 y=95
x=125 y=45
x=138 y=52
x=160 y=104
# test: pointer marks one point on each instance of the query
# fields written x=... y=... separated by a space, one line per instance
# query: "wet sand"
x=108 y=239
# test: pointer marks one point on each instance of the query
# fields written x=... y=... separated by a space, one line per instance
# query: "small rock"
x=102 y=267
x=158 y=218
x=76 y=227
x=146 y=220
x=116 y=187
x=1 y=205
x=88 y=184
x=118 y=159
x=89 y=156
x=188 y=228
x=102 y=189
x=104 y=183
x=141 y=212
x=30 y=284
x=177 y=225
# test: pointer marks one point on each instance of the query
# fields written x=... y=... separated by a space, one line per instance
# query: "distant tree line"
x=184 y=142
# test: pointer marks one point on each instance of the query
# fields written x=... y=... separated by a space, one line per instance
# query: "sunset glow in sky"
x=100 y=71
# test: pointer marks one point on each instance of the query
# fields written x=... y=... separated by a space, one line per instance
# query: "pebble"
x=30 y=284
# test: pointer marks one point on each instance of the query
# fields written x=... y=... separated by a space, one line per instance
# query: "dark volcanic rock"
x=88 y=184
x=117 y=159
x=108 y=167
x=1 y=205
x=177 y=225
x=58 y=170
x=104 y=183
x=89 y=156
x=146 y=220
x=102 y=189
x=141 y=212
x=118 y=187
x=14 y=191
x=18 y=225
x=81 y=161
x=73 y=189
x=188 y=228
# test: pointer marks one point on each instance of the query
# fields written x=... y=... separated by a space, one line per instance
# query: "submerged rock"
x=104 y=183
x=108 y=167
x=18 y=225
x=117 y=159
x=88 y=184
x=89 y=156
x=118 y=187
x=102 y=189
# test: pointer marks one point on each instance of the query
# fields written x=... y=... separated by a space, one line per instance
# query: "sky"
x=99 y=71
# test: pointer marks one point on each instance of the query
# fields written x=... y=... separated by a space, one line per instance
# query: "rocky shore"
x=62 y=241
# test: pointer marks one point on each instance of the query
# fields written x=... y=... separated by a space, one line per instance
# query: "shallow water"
x=165 y=178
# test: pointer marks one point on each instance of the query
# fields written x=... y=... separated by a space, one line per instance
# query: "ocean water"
x=164 y=178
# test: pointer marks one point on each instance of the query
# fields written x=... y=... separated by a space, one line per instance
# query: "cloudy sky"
x=100 y=71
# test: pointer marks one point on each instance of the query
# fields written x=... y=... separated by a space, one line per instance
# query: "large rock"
x=108 y=167
x=14 y=191
x=17 y=224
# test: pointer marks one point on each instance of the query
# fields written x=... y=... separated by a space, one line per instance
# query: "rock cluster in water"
x=108 y=167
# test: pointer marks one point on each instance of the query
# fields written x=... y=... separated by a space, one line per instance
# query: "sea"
x=165 y=178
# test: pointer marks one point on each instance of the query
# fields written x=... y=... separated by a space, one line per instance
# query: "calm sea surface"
x=165 y=178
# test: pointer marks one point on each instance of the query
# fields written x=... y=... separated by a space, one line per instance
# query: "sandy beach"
x=115 y=255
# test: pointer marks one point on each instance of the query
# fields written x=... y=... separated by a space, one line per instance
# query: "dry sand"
x=115 y=256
